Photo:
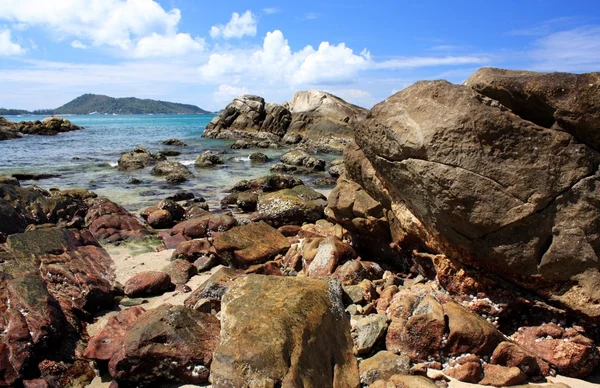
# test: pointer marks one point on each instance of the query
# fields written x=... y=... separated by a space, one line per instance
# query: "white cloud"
x=78 y=45
x=156 y=45
x=271 y=10
x=417 y=62
x=225 y=93
x=276 y=63
x=576 y=50
x=118 y=24
x=7 y=46
x=238 y=26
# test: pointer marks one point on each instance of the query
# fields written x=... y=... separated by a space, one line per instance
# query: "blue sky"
x=206 y=53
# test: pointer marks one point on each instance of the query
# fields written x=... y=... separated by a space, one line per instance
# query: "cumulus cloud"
x=225 y=93
x=156 y=45
x=276 y=63
x=237 y=27
x=576 y=50
x=78 y=45
x=120 y=24
x=7 y=46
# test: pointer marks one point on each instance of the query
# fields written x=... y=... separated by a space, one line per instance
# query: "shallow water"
x=88 y=158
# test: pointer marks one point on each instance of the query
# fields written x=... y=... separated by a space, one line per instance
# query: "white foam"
x=113 y=164
x=187 y=162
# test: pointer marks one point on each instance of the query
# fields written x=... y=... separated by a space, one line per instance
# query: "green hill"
x=90 y=103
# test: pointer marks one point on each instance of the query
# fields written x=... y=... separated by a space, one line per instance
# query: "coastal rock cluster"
x=460 y=242
x=50 y=126
x=314 y=118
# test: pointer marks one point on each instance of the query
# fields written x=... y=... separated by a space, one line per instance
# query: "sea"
x=88 y=158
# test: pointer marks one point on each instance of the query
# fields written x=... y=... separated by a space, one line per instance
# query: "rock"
x=247 y=201
x=267 y=183
x=169 y=343
x=569 y=351
x=109 y=340
x=356 y=271
x=33 y=176
x=469 y=372
x=206 y=263
x=51 y=280
x=167 y=152
x=382 y=366
x=512 y=355
x=336 y=168
x=325 y=182
x=137 y=159
x=551 y=100
x=250 y=244
x=4 y=180
x=174 y=142
x=207 y=159
x=110 y=222
x=293 y=206
x=175 y=211
x=160 y=219
x=440 y=153
x=289 y=230
x=213 y=288
x=182 y=196
x=148 y=283
x=501 y=376
x=330 y=253
x=369 y=330
x=284 y=330
x=259 y=157
x=193 y=249
x=404 y=381
x=50 y=126
x=180 y=271
x=282 y=168
x=175 y=178
x=166 y=167
x=299 y=157
x=203 y=225
x=291 y=138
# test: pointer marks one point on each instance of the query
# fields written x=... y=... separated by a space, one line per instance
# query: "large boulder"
x=293 y=206
x=479 y=183
x=283 y=331
x=167 y=344
x=137 y=159
x=110 y=222
x=562 y=101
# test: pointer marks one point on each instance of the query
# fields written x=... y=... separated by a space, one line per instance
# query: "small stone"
x=501 y=376
x=382 y=366
x=148 y=283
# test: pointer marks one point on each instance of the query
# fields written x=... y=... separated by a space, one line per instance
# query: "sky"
x=206 y=53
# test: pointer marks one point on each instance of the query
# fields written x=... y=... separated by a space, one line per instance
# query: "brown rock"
x=293 y=206
x=109 y=339
x=168 y=343
x=512 y=355
x=284 y=330
x=148 y=283
x=110 y=222
x=331 y=252
x=193 y=249
x=469 y=372
x=381 y=366
x=160 y=219
x=180 y=271
x=213 y=288
x=203 y=225
x=501 y=376
x=404 y=381
x=250 y=244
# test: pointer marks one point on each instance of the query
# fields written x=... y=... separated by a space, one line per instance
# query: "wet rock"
x=267 y=183
x=160 y=219
x=247 y=201
x=109 y=340
x=174 y=142
x=110 y=222
x=259 y=157
x=171 y=168
x=291 y=138
x=33 y=176
x=383 y=365
x=175 y=178
x=173 y=208
x=250 y=244
x=302 y=158
x=182 y=196
x=302 y=337
x=180 y=271
x=367 y=331
x=568 y=350
x=207 y=159
x=137 y=159
x=336 y=168
x=501 y=376
x=325 y=182
x=293 y=206
x=167 y=152
x=169 y=343
x=193 y=249
x=4 y=180
x=148 y=283
x=203 y=225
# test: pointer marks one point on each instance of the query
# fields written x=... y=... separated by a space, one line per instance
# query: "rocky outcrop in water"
x=318 y=119
x=50 y=126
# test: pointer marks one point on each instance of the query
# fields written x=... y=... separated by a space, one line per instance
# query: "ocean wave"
x=187 y=162
x=113 y=164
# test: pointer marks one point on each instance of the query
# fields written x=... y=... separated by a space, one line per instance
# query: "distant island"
x=99 y=104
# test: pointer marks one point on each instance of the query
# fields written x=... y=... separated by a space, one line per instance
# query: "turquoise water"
x=88 y=158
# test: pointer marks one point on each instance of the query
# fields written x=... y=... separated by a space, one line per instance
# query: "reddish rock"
x=331 y=252
x=171 y=241
x=168 y=343
x=355 y=271
x=148 y=283
x=572 y=353
x=289 y=230
x=512 y=355
x=469 y=372
x=160 y=219
x=36 y=383
x=501 y=376
x=193 y=249
x=214 y=287
x=272 y=268
x=110 y=222
x=203 y=225
x=250 y=244
x=180 y=271
x=205 y=263
x=109 y=339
